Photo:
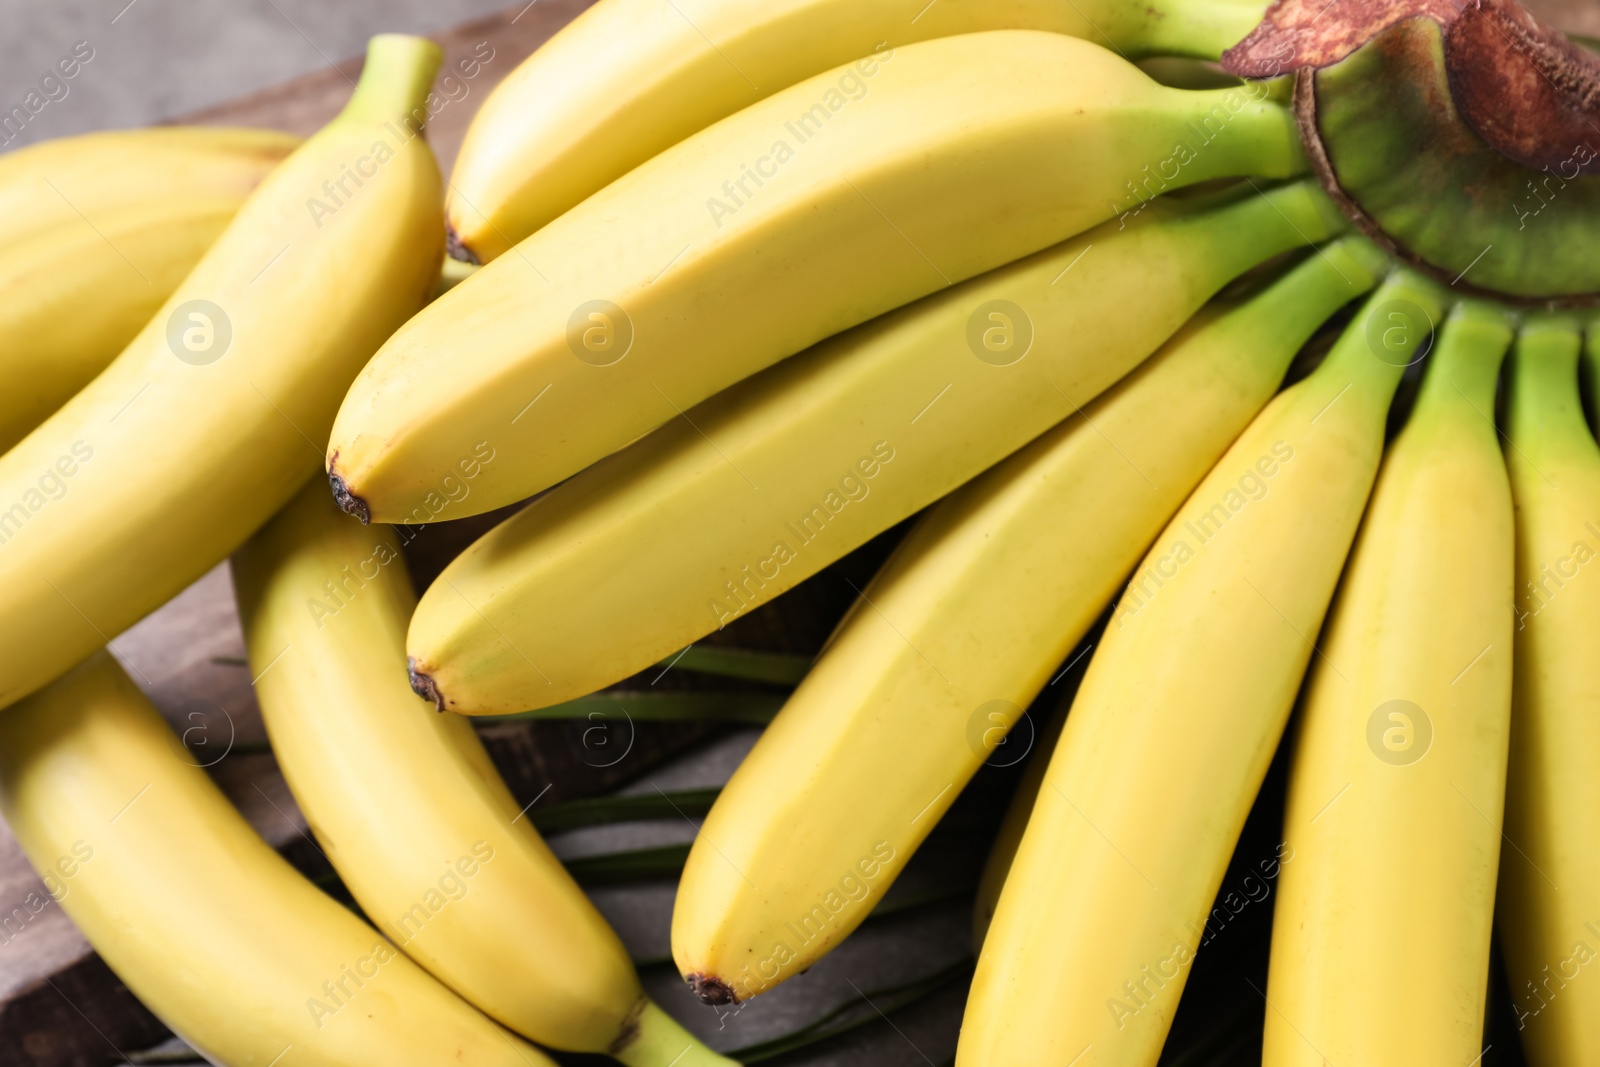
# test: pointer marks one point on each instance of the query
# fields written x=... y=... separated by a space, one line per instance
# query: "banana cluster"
x=720 y=292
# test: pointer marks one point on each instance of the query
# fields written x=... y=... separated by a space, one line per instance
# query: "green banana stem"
x=1197 y=29
x=1544 y=410
x=658 y=1040
x=396 y=81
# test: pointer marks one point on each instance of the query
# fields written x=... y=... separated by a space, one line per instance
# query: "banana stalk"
x=408 y=808
x=208 y=926
x=1398 y=779
x=203 y=427
x=835 y=200
x=767 y=483
x=1175 y=725
x=95 y=233
x=628 y=79
x=961 y=629
x=1550 y=880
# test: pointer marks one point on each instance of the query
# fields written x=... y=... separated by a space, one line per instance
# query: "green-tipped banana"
x=1549 y=883
x=95 y=233
x=628 y=79
x=214 y=414
x=1380 y=936
x=226 y=943
x=961 y=629
x=1176 y=722
x=410 y=811
x=833 y=201
x=767 y=483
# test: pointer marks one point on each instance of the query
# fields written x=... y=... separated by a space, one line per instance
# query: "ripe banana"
x=216 y=934
x=408 y=808
x=204 y=425
x=960 y=630
x=1380 y=937
x=878 y=184
x=767 y=483
x=1550 y=929
x=1176 y=722
x=628 y=79
x=95 y=233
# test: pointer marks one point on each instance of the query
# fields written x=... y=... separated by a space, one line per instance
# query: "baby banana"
x=960 y=155
x=408 y=808
x=768 y=482
x=95 y=233
x=1550 y=880
x=203 y=427
x=960 y=630
x=628 y=79
x=1176 y=722
x=225 y=942
x=1380 y=937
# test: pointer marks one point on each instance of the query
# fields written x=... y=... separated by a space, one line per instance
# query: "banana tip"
x=347 y=500
x=457 y=248
x=424 y=685
x=712 y=990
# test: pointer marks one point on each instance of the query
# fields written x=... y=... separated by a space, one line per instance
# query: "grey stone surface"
x=157 y=59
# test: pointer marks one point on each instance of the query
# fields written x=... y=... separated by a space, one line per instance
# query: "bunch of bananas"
x=748 y=284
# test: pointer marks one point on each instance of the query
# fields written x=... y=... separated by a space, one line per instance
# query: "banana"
x=767 y=483
x=960 y=630
x=203 y=427
x=628 y=79
x=225 y=942
x=1398 y=777
x=1550 y=930
x=1176 y=722
x=408 y=807
x=879 y=183
x=95 y=233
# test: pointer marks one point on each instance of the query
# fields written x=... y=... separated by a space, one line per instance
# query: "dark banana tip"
x=457 y=249
x=424 y=686
x=348 y=501
x=712 y=990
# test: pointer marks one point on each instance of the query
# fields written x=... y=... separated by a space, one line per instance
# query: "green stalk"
x=751 y=708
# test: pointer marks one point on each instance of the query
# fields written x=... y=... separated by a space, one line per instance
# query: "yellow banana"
x=204 y=425
x=1380 y=937
x=767 y=483
x=408 y=808
x=959 y=631
x=1550 y=881
x=225 y=942
x=95 y=233
x=880 y=183
x=628 y=79
x=1176 y=722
